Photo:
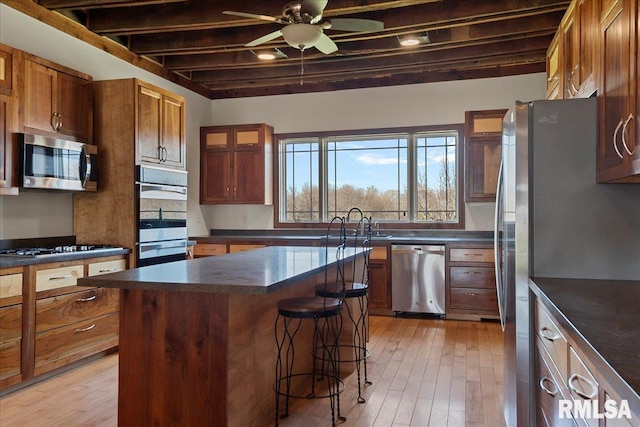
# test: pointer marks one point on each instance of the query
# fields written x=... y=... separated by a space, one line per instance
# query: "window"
x=409 y=177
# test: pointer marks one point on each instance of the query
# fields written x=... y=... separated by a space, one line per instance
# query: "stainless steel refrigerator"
x=553 y=220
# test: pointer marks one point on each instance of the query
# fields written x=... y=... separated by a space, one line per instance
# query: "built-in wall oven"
x=162 y=215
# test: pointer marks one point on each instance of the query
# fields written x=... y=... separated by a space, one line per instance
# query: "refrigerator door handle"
x=496 y=241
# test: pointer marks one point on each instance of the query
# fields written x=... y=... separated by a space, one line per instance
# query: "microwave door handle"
x=87 y=171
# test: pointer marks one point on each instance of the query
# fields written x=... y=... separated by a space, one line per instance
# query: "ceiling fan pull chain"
x=301 y=65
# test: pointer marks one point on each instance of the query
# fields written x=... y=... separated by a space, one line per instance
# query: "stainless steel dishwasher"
x=417 y=279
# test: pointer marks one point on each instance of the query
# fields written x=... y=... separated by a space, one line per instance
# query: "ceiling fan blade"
x=352 y=24
x=254 y=16
x=313 y=8
x=326 y=45
x=264 y=39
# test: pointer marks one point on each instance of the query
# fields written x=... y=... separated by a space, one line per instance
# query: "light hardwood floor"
x=425 y=372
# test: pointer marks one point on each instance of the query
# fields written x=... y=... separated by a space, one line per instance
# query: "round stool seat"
x=309 y=307
x=335 y=290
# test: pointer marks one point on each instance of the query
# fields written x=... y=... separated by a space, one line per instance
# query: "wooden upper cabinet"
x=6 y=70
x=56 y=101
x=6 y=143
x=161 y=127
x=483 y=152
x=579 y=43
x=618 y=158
x=8 y=75
x=236 y=164
x=554 y=71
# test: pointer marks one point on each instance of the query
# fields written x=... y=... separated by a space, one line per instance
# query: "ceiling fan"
x=303 y=26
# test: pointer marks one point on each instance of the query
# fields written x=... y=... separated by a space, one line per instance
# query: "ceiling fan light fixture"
x=301 y=36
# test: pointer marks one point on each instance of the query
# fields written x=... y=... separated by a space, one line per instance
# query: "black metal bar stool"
x=325 y=312
x=355 y=288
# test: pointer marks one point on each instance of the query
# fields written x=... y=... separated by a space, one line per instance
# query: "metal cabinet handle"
x=88 y=328
x=164 y=154
x=624 y=133
x=68 y=276
x=582 y=394
x=159 y=156
x=546 y=389
x=615 y=136
x=570 y=80
x=106 y=270
x=56 y=121
x=470 y=294
x=91 y=298
x=472 y=272
x=548 y=334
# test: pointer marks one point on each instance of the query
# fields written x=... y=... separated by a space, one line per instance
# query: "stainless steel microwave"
x=57 y=164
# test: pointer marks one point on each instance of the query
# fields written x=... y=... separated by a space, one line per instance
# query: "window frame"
x=460 y=173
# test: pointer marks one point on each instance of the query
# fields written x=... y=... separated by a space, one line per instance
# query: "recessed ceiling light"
x=266 y=56
x=270 y=54
x=410 y=41
x=413 y=39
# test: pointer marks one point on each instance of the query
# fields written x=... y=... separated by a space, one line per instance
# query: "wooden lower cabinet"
x=471 y=282
x=379 y=278
x=563 y=372
x=48 y=322
x=10 y=326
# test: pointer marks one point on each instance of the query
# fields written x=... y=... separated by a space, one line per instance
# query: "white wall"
x=44 y=214
x=411 y=105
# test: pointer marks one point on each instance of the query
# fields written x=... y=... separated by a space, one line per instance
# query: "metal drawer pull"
x=472 y=272
x=68 y=276
x=91 y=298
x=470 y=254
x=106 y=270
x=470 y=294
x=88 y=328
x=594 y=388
x=546 y=389
x=548 y=334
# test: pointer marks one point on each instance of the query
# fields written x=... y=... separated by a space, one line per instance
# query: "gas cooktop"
x=56 y=250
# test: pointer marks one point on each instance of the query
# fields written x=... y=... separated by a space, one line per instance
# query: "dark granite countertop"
x=603 y=318
x=390 y=236
x=17 y=261
x=257 y=272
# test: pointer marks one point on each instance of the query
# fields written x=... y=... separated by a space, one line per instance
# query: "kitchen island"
x=197 y=345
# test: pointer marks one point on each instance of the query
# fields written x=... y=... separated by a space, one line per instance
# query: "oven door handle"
x=163 y=245
x=170 y=192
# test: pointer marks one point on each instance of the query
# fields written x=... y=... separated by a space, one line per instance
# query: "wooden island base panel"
x=197 y=346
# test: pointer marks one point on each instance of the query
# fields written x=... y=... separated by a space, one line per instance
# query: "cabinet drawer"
x=473 y=277
x=64 y=310
x=11 y=285
x=10 y=323
x=471 y=255
x=240 y=248
x=378 y=253
x=104 y=267
x=549 y=390
x=62 y=346
x=209 y=249
x=10 y=359
x=53 y=278
x=582 y=385
x=552 y=339
x=474 y=299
